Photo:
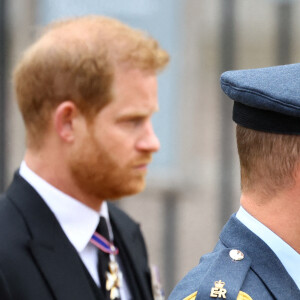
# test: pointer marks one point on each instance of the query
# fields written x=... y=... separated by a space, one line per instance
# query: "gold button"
x=236 y=254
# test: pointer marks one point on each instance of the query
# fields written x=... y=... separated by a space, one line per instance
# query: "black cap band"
x=265 y=120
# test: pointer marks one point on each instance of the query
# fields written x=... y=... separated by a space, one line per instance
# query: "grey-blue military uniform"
x=255 y=274
x=242 y=266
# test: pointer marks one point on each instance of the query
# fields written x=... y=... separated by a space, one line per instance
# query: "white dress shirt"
x=286 y=254
x=77 y=220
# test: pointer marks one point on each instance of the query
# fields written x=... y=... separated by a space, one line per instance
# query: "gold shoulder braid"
x=243 y=296
x=191 y=296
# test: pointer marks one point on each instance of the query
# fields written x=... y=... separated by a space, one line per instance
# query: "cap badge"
x=218 y=291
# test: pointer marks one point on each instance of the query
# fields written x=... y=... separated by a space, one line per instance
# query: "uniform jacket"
x=37 y=261
x=258 y=275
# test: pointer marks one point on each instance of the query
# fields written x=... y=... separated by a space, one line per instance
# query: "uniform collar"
x=77 y=220
x=286 y=254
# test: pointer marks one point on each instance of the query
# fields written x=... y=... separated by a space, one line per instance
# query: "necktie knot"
x=102 y=228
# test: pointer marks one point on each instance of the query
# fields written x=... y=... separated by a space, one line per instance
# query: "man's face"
x=111 y=155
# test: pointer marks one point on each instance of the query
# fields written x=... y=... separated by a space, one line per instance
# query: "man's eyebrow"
x=137 y=113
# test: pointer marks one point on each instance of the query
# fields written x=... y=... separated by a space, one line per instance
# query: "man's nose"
x=148 y=141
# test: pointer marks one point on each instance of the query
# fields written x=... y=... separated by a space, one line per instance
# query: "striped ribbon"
x=103 y=244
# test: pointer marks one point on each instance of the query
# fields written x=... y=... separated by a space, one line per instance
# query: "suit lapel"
x=54 y=255
x=134 y=256
x=264 y=260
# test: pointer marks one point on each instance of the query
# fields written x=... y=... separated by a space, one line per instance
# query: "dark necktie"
x=103 y=258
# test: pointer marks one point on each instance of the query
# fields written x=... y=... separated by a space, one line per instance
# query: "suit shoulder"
x=220 y=272
x=13 y=230
x=8 y=212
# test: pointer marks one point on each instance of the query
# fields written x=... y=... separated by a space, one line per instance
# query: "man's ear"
x=64 y=117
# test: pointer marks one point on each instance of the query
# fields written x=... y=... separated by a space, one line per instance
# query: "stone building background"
x=193 y=185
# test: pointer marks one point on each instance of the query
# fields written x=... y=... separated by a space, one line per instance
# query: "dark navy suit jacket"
x=37 y=261
x=260 y=274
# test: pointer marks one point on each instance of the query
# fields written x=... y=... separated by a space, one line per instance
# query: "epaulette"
x=224 y=274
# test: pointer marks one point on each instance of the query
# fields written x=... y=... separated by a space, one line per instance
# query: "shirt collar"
x=286 y=254
x=77 y=220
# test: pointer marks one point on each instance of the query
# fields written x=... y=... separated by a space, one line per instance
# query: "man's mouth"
x=141 y=167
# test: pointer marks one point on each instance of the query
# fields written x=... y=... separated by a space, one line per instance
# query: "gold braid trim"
x=243 y=296
x=191 y=296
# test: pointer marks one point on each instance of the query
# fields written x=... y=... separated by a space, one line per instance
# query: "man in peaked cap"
x=258 y=253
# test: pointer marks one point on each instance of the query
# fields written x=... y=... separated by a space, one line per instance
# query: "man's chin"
x=129 y=191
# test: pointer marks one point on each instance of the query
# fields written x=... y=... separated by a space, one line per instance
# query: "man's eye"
x=136 y=121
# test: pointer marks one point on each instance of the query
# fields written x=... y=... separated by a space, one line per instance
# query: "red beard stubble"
x=98 y=173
